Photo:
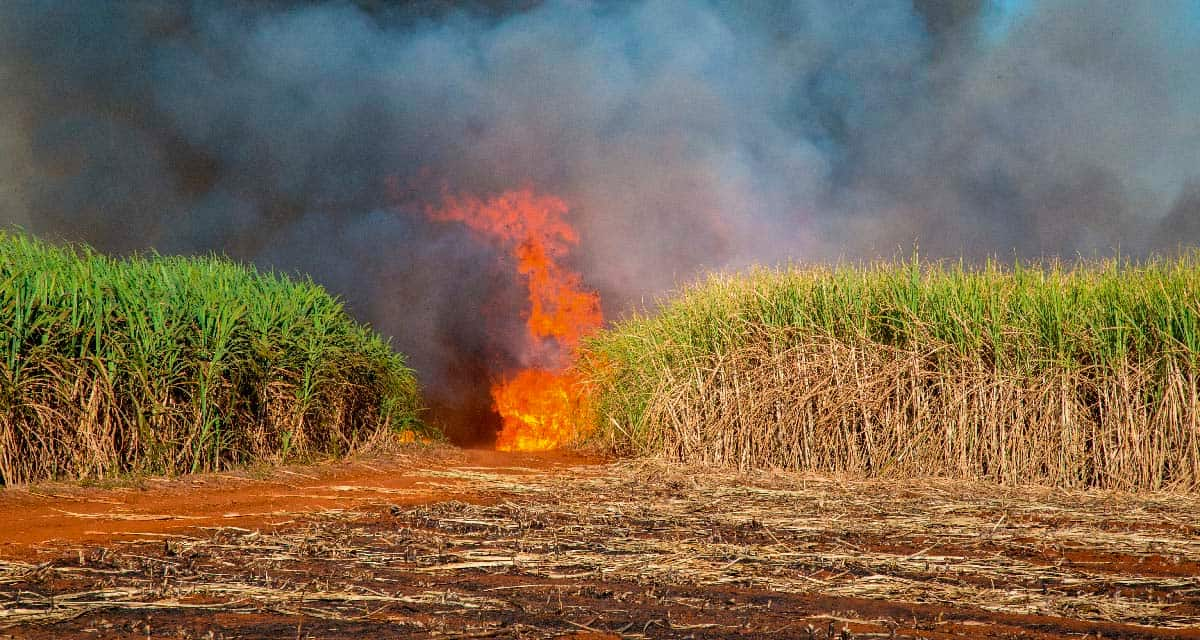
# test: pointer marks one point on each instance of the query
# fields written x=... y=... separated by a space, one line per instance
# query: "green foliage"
x=1092 y=323
x=168 y=364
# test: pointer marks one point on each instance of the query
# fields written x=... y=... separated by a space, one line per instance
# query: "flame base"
x=541 y=410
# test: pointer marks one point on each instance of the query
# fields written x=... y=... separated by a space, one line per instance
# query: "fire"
x=542 y=407
x=541 y=410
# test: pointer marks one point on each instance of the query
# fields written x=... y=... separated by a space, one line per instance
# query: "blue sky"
x=1002 y=15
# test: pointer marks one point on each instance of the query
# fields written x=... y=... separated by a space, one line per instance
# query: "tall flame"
x=541 y=408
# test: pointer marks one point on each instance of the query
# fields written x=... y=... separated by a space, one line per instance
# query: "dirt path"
x=150 y=506
x=485 y=545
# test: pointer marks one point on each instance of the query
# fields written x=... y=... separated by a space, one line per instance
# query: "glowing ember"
x=541 y=408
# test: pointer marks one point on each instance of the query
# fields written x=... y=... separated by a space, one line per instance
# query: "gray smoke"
x=308 y=136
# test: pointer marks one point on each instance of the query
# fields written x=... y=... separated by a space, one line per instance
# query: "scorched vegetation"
x=172 y=365
x=1074 y=375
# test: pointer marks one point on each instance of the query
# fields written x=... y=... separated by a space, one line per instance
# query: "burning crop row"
x=543 y=405
x=173 y=365
x=1081 y=376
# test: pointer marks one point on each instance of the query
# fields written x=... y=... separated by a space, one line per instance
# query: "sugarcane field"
x=568 y=319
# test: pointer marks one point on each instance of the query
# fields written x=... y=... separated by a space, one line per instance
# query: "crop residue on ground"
x=600 y=549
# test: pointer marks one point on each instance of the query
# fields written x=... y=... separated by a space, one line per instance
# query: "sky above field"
x=685 y=135
x=1000 y=15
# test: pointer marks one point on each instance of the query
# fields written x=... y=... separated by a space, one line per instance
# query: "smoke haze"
x=309 y=136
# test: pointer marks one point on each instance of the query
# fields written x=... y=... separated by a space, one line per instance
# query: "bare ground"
x=486 y=545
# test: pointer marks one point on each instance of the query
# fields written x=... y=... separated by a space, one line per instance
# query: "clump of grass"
x=1074 y=375
x=169 y=365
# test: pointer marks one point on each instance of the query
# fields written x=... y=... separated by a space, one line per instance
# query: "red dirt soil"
x=65 y=512
x=446 y=543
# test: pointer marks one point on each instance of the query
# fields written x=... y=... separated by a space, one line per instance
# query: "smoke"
x=309 y=136
x=14 y=158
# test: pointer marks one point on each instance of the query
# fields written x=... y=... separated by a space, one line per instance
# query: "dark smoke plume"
x=686 y=135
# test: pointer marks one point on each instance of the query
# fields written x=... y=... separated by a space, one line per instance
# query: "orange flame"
x=541 y=408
